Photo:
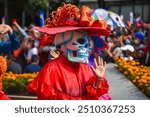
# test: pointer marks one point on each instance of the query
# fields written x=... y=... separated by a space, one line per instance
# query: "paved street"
x=120 y=87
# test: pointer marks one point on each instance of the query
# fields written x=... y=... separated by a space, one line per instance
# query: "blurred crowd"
x=27 y=50
x=130 y=43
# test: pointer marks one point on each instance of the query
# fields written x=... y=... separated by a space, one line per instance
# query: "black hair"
x=11 y=57
x=34 y=58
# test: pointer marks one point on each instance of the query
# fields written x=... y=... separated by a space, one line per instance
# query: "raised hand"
x=100 y=68
x=5 y=29
x=54 y=54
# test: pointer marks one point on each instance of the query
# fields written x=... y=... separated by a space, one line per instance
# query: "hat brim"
x=92 y=30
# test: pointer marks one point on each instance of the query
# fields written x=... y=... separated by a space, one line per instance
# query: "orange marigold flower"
x=3 y=65
x=148 y=88
x=3 y=68
x=134 y=81
x=125 y=73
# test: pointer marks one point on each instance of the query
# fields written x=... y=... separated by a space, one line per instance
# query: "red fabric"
x=3 y=96
x=147 y=49
x=61 y=79
x=45 y=40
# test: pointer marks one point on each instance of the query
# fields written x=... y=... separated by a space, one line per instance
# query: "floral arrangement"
x=138 y=74
x=70 y=15
x=3 y=67
x=16 y=83
x=61 y=14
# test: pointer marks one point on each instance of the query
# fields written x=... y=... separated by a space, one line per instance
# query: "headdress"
x=69 y=17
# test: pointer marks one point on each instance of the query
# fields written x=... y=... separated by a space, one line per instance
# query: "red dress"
x=61 y=79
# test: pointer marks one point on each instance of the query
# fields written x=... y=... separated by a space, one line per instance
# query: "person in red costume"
x=69 y=77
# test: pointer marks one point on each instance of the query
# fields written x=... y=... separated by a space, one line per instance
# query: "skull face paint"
x=77 y=45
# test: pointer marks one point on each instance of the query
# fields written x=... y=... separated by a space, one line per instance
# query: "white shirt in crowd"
x=33 y=51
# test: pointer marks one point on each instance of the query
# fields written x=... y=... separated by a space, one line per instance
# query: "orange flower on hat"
x=69 y=17
x=59 y=17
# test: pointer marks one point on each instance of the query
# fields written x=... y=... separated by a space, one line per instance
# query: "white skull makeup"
x=77 y=45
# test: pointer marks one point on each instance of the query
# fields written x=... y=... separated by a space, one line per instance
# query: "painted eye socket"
x=86 y=45
x=81 y=41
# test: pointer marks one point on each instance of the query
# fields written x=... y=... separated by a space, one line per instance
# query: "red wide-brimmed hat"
x=69 y=17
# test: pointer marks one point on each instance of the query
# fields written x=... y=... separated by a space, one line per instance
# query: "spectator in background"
x=126 y=40
x=108 y=52
x=4 y=37
x=33 y=33
x=127 y=52
x=17 y=27
x=140 y=57
x=32 y=50
x=10 y=44
x=117 y=52
x=26 y=37
x=139 y=41
x=147 y=49
x=34 y=66
x=12 y=65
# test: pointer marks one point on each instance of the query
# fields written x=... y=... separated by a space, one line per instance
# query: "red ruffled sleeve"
x=93 y=93
x=3 y=96
x=46 y=93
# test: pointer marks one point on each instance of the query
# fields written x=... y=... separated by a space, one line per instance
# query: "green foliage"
x=39 y=4
x=17 y=86
x=15 y=8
